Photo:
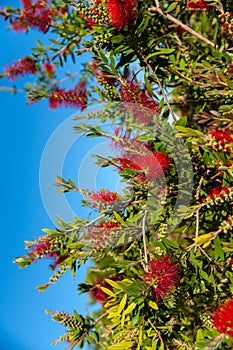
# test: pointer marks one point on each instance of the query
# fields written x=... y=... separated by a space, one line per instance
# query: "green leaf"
x=172 y=7
x=163 y=51
x=218 y=251
x=181 y=122
x=188 y=131
x=153 y=305
x=122 y=304
x=123 y=345
x=108 y=292
x=130 y=308
x=119 y=218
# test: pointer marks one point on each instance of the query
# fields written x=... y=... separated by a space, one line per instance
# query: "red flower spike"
x=223 y=317
x=219 y=192
x=199 y=5
x=42 y=249
x=68 y=98
x=20 y=68
x=27 y=3
x=153 y=164
x=97 y=293
x=226 y=19
x=104 y=196
x=131 y=92
x=49 y=68
x=34 y=15
x=121 y=12
x=104 y=234
x=162 y=276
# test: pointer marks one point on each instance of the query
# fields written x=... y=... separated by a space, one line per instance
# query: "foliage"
x=162 y=250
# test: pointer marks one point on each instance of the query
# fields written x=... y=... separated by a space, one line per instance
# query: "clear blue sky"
x=25 y=132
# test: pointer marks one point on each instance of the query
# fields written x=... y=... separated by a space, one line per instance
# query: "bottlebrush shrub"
x=161 y=251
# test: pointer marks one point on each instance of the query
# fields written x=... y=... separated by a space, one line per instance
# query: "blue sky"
x=25 y=132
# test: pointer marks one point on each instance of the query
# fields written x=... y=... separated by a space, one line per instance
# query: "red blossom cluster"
x=35 y=15
x=162 y=276
x=220 y=140
x=121 y=12
x=93 y=14
x=103 y=234
x=199 y=5
x=141 y=104
x=218 y=191
x=226 y=20
x=103 y=196
x=76 y=97
x=46 y=249
x=49 y=68
x=153 y=164
x=97 y=293
x=223 y=317
x=20 y=68
x=219 y=195
x=102 y=76
x=139 y=156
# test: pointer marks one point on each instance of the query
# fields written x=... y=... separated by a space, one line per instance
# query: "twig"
x=86 y=225
x=197 y=225
x=182 y=25
x=197 y=195
x=85 y=333
x=156 y=330
x=160 y=86
x=144 y=241
x=14 y=90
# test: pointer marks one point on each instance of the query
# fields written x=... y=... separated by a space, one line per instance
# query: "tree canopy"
x=162 y=74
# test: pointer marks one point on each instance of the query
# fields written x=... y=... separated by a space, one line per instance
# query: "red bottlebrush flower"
x=218 y=191
x=49 y=68
x=20 y=68
x=131 y=93
x=103 y=195
x=219 y=195
x=27 y=3
x=223 y=317
x=68 y=98
x=199 y=5
x=94 y=14
x=105 y=77
x=162 y=276
x=226 y=20
x=42 y=250
x=153 y=164
x=97 y=293
x=222 y=136
x=104 y=234
x=34 y=15
x=221 y=141
x=121 y=12
x=101 y=75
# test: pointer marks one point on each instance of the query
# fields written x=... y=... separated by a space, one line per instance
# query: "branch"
x=160 y=86
x=14 y=90
x=86 y=332
x=144 y=241
x=182 y=25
